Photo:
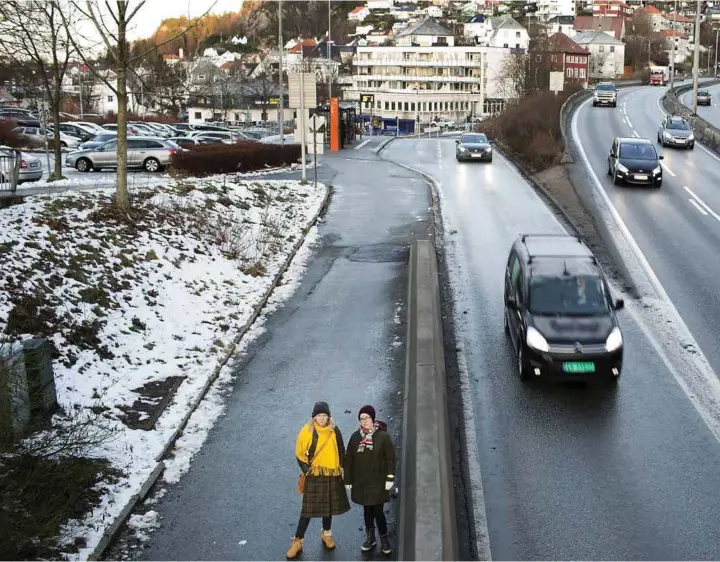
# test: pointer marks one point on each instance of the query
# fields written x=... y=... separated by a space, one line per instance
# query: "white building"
x=379 y=4
x=433 y=11
x=476 y=29
x=359 y=13
x=561 y=24
x=426 y=76
x=547 y=9
x=607 y=54
x=248 y=115
x=506 y=32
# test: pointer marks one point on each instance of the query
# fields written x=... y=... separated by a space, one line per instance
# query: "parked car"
x=73 y=131
x=228 y=137
x=149 y=153
x=37 y=135
x=559 y=313
x=98 y=140
x=633 y=160
x=676 y=131
x=473 y=146
x=90 y=126
x=186 y=142
x=113 y=127
x=704 y=97
x=31 y=168
x=184 y=127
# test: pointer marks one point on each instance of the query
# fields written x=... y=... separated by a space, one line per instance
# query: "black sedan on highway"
x=634 y=161
x=473 y=146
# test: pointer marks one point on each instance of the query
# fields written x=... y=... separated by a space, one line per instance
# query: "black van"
x=559 y=313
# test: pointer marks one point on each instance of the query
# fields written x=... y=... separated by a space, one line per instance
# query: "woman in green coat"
x=370 y=475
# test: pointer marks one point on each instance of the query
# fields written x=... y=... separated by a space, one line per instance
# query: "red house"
x=559 y=53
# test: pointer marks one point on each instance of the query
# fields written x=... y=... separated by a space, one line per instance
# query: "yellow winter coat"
x=329 y=452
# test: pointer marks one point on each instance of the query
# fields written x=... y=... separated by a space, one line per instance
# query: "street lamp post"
x=673 y=41
x=696 y=58
x=717 y=31
x=281 y=46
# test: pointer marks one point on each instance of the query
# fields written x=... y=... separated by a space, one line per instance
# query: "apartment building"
x=426 y=76
x=547 y=9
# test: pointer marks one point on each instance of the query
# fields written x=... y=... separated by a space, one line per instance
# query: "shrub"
x=530 y=130
x=7 y=137
x=243 y=156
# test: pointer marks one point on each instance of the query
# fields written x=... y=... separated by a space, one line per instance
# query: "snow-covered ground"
x=275 y=139
x=165 y=291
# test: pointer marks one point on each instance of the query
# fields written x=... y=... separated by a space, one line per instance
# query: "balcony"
x=422 y=79
x=453 y=63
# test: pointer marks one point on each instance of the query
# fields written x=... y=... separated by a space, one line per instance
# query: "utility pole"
x=329 y=52
x=696 y=58
x=674 y=46
x=717 y=31
x=281 y=46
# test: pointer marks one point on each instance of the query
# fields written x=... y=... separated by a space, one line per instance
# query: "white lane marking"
x=702 y=203
x=358 y=147
x=624 y=121
x=668 y=170
x=628 y=122
x=697 y=377
x=636 y=134
x=664 y=113
x=697 y=206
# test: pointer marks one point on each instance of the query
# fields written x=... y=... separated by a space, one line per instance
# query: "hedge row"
x=530 y=130
x=231 y=158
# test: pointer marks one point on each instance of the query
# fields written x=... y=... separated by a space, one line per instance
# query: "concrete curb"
x=113 y=529
x=705 y=132
x=383 y=144
x=426 y=529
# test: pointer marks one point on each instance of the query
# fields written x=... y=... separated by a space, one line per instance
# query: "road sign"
x=308 y=98
x=367 y=99
x=317 y=124
x=556 y=81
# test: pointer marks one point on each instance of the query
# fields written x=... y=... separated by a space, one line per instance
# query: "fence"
x=9 y=170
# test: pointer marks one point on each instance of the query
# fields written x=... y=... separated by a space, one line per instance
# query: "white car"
x=31 y=168
x=36 y=134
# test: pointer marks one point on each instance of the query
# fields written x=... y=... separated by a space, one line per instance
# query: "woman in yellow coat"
x=320 y=452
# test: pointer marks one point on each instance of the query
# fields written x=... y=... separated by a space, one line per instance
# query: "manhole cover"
x=380 y=253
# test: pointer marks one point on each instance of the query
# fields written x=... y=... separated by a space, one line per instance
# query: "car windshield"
x=682 y=125
x=703 y=93
x=581 y=295
x=637 y=151
x=479 y=139
x=605 y=87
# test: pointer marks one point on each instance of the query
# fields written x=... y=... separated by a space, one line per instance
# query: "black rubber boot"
x=370 y=542
x=385 y=545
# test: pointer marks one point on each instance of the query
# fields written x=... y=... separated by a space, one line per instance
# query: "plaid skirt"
x=324 y=496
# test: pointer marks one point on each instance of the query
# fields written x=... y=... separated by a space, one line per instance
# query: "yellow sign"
x=368 y=99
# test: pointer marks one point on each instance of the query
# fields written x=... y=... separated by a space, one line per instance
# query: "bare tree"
x=262 y=89
x=33 y=31
x=597 y=64
x=111 y=20
x=512 y=79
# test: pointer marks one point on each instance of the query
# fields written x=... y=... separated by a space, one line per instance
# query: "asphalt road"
x=711 y=113
x=677 y=231
x=336 y=339
x=568 y=472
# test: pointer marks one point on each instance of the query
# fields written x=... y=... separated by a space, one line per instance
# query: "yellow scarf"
x=327 y=457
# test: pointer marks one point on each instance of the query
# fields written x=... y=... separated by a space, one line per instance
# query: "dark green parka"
x=367 y=471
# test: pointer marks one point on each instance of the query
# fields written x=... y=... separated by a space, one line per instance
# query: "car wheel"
x=610 y=172
x=616 y=179
x=521 y=363
x=691 y=147
x=63 y=144
x=83 y=165
x=662 y=142
x=594 y=104
x=506 y=326
x=614 y=104
x=658 y=184
x=151 y=165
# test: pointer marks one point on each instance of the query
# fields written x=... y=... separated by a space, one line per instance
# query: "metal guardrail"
x=9 y=171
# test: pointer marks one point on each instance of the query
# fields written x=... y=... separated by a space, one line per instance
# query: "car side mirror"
x=511 y=302
x=612 y=153
x=457 y=141
x=661 y=158
x=492 y=141
x=619 y=304
x=101 y=149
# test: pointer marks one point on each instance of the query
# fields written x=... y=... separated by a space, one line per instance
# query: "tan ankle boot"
x=328 y=540
x=296 y=547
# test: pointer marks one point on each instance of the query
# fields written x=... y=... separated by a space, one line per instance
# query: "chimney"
x=180 y=52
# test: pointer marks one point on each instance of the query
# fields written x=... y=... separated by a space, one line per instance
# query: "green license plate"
x=579 y=367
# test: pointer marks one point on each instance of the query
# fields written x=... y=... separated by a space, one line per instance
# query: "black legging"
x=305 y=521
x=375 y=513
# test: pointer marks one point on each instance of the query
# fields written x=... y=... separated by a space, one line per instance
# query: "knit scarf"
x=367 y=438
x=327 y=461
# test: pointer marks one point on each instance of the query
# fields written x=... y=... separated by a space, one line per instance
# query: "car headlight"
x=657 y=170
x=462 y=149
x=614 y=340
x=536 y=340
x=622 y=168
x=691 y=137
x=488 y=149
x=667 y=135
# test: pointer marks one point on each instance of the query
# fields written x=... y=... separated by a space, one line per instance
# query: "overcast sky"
x=147 y=20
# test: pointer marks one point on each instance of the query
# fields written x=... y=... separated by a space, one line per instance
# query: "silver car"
x=98 y=140
x=148 y=153
x=31 y=168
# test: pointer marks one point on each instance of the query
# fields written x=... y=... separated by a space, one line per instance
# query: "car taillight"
x=171 y=151
x=23 y=164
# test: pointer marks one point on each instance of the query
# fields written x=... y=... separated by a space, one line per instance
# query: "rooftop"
x=561 y=42
x=555 y=246
x=504 y=22
x=427 y=27
x=597 y=37
x=358 y=9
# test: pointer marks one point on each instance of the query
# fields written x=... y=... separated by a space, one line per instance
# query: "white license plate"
x=680 y=141
x=641 y=177
x=34 y=164
x=477 y=155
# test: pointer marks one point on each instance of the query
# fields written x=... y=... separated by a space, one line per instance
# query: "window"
x=575 y=72
x=568 y=71
x=517 y=35
x=201 y=77
x=582 y=73
x=405 y=106
x=392 y=105
x=612 y=48
x=538 y=58
x=387 y=105
x=412 y=106
x=505 y=45
x=584 y=294
x=198 y=115
x=553 y=58
x=110 y=99
x=601 y=48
